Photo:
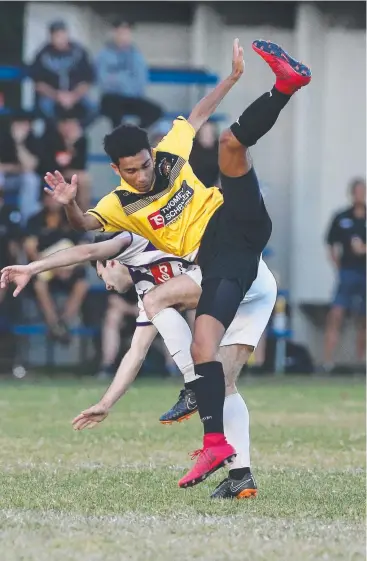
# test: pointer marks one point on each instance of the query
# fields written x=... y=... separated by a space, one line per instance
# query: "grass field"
x=111 y=493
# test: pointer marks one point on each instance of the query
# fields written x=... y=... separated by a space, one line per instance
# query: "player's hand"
x=20 y=275
x=90 y=417
x=61 y=191
x=238 y=64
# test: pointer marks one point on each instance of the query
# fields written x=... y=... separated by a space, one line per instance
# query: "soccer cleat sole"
x=299 y=68
x=184 y=418
x=247 y=494
x=223 y=463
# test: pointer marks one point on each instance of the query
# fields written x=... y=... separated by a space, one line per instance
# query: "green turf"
x=111 y=493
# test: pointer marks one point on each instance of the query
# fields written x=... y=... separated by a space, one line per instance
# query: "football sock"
x=259 y=117
x=177 y=337
x=209 y=389
x=238 y=473
x=237 y=432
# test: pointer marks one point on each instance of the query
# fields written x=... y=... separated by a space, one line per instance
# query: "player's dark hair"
x=94 y=263
x=102 y=238
x=124 y=141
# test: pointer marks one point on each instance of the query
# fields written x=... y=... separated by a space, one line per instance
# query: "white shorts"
x=252 y=316
x=193 y=271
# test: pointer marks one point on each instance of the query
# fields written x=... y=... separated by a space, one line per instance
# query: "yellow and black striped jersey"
x=173 y=215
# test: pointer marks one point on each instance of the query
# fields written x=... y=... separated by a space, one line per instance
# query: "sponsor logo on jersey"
x=173 y=209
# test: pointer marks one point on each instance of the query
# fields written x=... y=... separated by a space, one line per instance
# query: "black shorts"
x=236 y=234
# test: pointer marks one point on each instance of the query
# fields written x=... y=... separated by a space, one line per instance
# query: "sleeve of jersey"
x=179 y=139
x=110 y=214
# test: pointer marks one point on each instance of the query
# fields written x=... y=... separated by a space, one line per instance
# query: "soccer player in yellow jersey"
x=161 y=199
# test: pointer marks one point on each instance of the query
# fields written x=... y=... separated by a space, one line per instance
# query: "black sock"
x=239 y=473
x=259 y=117
x=210 y=393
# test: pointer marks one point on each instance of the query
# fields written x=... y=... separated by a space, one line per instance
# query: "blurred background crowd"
x=70 y=71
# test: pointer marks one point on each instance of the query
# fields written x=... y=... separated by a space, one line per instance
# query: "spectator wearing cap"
x=20 y=153
x=65 y=148
x=122 y=77
x=63 y=75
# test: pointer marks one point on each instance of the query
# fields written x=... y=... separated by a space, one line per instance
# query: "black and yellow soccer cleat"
x=182 y=409
x=229 y=488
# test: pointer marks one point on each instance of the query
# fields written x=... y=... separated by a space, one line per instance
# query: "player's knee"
x=152 y=303
x=227 y=141
x=201 y=352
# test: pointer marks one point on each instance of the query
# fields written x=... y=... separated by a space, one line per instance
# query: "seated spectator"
x=63 y=75
x=346 y=239
x=10 y=235
x=65 y=149
x=122 y=78
x=204 y=155
x=47 y=232
x=19 y=160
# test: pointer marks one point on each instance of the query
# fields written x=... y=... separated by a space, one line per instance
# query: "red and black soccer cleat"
x=215 y=454
x=291 y=75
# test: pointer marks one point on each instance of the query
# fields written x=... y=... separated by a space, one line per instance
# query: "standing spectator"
x=66 y=149
x=47 y=232
x=63 y=74
x=347 y=247
x=19 y=160
x=204 y=155
x=122 y=78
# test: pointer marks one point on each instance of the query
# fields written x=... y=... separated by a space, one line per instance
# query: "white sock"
x=177 y=337
x=237 y=429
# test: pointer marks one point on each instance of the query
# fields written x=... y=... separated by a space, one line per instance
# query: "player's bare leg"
x=222 y=295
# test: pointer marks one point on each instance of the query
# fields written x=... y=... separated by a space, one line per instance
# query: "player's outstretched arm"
x=124 y=377
x=65 y=193
x=20 y=275
x=206 y=107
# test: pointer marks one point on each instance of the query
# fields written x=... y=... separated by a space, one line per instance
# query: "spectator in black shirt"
x=19 y=160
x=47 y=232
x=204 y=155
x=346 y=239
x=63 y=74
x=10 y=234
x=65 y=149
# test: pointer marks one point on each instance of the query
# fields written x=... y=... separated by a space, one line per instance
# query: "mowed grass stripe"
x=33 y=535
x=111 y=493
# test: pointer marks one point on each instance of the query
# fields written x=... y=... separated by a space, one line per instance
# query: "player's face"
x=115 y=276
x=137 y=171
